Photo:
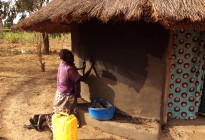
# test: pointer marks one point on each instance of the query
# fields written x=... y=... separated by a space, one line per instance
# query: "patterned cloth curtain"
x=187 y=74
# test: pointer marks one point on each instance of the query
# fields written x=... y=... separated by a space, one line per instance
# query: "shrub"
x=1 y=35
x=22 y=37
x=13 y=37
x=28 y=38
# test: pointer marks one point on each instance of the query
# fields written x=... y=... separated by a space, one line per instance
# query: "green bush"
x=1 y=35
x=13 y=37
x=22 y=37
x=60 y=36
x=28 y=38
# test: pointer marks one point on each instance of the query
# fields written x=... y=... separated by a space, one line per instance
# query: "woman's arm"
x=80 y=68
x=83 y=66
x=86 y=75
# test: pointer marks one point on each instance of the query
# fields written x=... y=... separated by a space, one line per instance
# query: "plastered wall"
x=129 y=63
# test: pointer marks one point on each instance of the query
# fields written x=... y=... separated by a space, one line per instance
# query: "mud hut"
x=134 y=44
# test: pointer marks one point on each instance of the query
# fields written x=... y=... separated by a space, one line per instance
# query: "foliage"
x=60 y=36
x=28 y=6
x=4 y=6
x=12 y=37
x=55 y=35
x=7 y=12
x=1 y=35
x=29 y=38
x=28 y=43
x=26 y=38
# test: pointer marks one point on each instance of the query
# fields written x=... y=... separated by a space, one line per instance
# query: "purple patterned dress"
x=68 y=89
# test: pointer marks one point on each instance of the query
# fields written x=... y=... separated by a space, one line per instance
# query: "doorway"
x=186 y=78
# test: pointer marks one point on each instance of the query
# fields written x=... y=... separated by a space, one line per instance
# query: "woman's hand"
x=86 y=75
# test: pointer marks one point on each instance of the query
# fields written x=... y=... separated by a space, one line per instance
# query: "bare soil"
x=184 y=129
x=25 y=91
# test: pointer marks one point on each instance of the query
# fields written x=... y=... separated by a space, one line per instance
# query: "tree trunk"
x=1 y=25
x=46 y=43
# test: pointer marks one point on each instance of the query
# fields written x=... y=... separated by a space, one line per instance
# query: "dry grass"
x=58 y=42
x=170 y=13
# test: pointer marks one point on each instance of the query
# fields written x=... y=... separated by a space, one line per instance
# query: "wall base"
x=149 y=131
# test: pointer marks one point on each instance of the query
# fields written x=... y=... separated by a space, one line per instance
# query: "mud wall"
x=129 y=64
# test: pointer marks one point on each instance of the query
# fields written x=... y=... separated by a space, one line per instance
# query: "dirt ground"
x=184 y=129
x=25 y=90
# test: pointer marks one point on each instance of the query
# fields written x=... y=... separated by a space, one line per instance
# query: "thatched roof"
x=170 y=13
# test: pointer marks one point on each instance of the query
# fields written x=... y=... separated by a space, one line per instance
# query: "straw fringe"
x=170 y=13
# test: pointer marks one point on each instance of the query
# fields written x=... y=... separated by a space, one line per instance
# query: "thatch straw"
x=181 y=13
x=104 y=10
x=177 y=10
x=170 y=13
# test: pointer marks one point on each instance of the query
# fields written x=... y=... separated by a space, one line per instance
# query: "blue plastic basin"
x=102 y=113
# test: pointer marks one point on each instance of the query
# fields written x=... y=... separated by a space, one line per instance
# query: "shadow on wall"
x=100 y=87
x=123 y=48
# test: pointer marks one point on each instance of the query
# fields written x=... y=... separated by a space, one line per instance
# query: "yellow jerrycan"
x=64 y=126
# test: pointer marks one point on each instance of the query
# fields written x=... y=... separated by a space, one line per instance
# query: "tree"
x=1 y=24
x=46 y=43
x=7 y=12
x=25 y=7
x=29 y=6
